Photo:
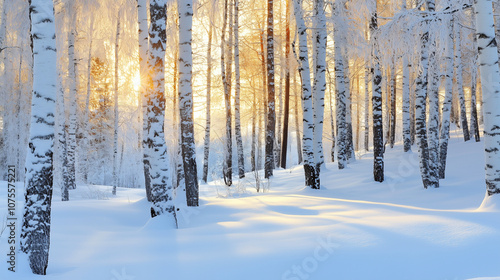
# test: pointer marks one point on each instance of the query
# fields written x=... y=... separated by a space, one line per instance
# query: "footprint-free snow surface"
x=353 y=228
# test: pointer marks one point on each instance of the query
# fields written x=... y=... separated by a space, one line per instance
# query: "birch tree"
x=286 y=113
x=378 y=131
x=421 y=106
x=459 y=79
x=237 y=109
x=206 y=144
x=271 y=110
x=158 y=162
x=143 y=37
x=340 y=97
x=490 y=83
x=448 y=96
x=35 y=231
x=312 y=179
x=116 y=111
x=226 y=81
x=185 y=8
x=72 y=104
x=319 y=42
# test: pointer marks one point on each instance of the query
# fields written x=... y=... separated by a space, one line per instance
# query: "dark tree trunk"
x=378 y=131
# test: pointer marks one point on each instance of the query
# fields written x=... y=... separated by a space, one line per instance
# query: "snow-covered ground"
x=353 y=228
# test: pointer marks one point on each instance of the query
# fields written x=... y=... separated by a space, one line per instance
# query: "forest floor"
x=353 y=228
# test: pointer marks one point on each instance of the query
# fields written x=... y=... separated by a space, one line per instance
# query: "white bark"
x=459 y=79
x=116 y=111
x=161 y=185
x=490 y=82
x=143 y=37
x=35 y=232
x=72 y=102
x=319 y=44
x=186 y=101
x=237 y=113
x=311 y=173
x=448 y=96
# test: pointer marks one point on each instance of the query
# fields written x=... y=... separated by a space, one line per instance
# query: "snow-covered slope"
x=353 y=228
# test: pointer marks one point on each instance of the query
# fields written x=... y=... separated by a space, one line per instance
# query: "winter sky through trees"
x=175 y=102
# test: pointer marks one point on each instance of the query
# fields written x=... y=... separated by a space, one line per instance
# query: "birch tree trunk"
x=319 y=84
x=340 y=98
x=161 y=185
x=433 y=121
x=459 y=80
x=73 y=93
x=332 y=122
x=297 y=125
x=85 y=167
x=474 y=122
x=311 y=173
x=143 y=35
x=237 y=114
x=206 y=144
x=116 y=116
x=271 y=110
x=254 y=131
x=378 y=131
x=406 y=105
x=421 y=107
x=186 y=101
x=35 y=231
x=226 y=81
x=448 y=96
x=350 y=155
x=286 y=112
x=490 y=81
x=392 y=133
x=367 y=109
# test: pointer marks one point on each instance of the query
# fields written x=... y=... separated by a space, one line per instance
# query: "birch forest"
x=173 y=96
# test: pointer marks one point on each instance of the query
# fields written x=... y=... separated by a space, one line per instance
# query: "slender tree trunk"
x=186 y=101
x=340 y=99
x=143 y=36
x=367 y=109
x=297 y=126
x=332 y=122
x=392 y=138
x=448 y=96
x=350 y=155
x=286 y=113
x=206 y=146
x=358 y=113
x=459 y=80
x=378 y=131
x=237 y=114
x=226 y=81
x=85 y=167
x=406 y=98
x=116 y=115
x=319 y=44
x=406 y=105
x=161 y=187
x=311 y=173
x=474 y=122
x=72 y=116
x=254 y=131
x=433 y=121
x=35 y=231
x=421 y=108
x=271 y=114
x=490 y=83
